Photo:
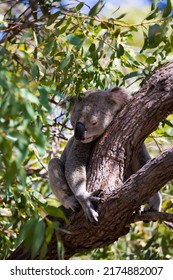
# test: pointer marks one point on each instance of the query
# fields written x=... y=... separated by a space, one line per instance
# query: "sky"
x=118 y=2
x=114 y=2
x=112 y=5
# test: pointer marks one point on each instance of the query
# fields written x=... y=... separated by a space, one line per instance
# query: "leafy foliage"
x=47 y=51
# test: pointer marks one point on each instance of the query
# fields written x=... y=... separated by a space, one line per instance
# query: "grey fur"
x=90 y=116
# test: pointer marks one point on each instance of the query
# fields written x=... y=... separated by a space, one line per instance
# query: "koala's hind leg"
x=59 y=184
x=139 y=160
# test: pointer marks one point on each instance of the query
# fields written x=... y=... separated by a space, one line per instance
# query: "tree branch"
x=152 y=216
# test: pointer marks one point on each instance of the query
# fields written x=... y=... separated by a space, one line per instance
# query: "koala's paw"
x=71 y=202
x=154 y=203
x=86 y=202
x=149 y=208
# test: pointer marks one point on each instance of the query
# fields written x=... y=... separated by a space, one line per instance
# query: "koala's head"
x=91 y=114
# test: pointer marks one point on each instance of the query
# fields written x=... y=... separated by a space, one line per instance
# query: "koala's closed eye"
x=93 y=123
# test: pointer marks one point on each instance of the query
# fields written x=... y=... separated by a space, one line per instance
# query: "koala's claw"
x=71 y=203
x=86 y=202
x=95 y=196
x=92 y=215
x=90 y=212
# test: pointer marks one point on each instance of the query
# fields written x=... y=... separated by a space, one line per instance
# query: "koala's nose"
x=79 y=131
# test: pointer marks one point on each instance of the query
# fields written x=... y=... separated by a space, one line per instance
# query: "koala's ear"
x=89 y=92
x=118 y=95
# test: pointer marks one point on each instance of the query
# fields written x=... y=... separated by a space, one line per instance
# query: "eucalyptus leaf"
x=131 y=75
x=65 y=62
x=79 y=6
x=38 y=237
x=55 y=212
x=151 y=60
x=120 y=50
x=121 y=16
x=152 y=14
x=44 y=97
x=74 y=39
x=154 y=35
x=35 y=71
x=96 y=8
x=168 y=8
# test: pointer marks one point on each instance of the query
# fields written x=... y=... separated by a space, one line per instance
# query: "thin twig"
x=152 y=216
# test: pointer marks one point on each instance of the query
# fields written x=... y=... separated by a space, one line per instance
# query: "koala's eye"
x=94 y=123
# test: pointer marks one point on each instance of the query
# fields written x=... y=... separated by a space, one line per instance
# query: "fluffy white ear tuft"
x=89 y=92
x=118 y=95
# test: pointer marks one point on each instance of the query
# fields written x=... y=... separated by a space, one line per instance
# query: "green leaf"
x=131 y=58
x=120 y=51
x=60 y=249
x=21 y=149
x=131 y=75
x=30 y=111
x=55 y=212
x=121 y=16
x=26 y=234
x=44 y=97
x=151 y=60
x=96 y=9
x=65 y=61
x=152 y=14
x=11 y=173
x=154 y=35
x=54 y=48
x=35 y=71
x=168 y=8
x=64 y=27
x=168 y=123
x=92 y=48
x=48 y=47
x=29 y=96
x=79 y=6
x=153 y=5
x=39 y=232
x=43 y=251
x=100 y=46
x=73 y=39
x=171 y=39
x=49 y=231
x=22 y=174
x=60 y=22
x=52 y=18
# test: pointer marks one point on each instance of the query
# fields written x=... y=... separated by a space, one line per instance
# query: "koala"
x=90 y=116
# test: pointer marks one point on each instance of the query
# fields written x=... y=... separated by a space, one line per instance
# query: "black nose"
x=79 y=131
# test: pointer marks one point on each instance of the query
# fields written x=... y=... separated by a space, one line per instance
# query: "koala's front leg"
x=59 y=184
x=75 y=173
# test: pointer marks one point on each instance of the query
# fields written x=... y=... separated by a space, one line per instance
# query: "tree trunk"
x=108 y=167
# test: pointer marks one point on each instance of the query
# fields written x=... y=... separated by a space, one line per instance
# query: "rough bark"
x=108 y=167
